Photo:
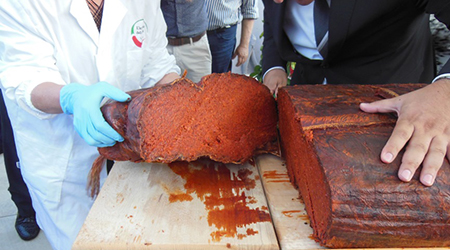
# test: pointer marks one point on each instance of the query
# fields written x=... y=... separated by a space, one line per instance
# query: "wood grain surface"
x=200 y=205
x=286 y=206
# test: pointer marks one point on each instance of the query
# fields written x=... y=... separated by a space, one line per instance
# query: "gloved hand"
x=84 y=103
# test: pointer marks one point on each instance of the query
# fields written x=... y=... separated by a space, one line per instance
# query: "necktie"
x=321 y=17
x=96 y=11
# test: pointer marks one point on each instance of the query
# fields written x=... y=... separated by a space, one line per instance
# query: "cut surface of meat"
x=225 y=117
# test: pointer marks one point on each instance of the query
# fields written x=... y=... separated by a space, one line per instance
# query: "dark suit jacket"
x=370 y=42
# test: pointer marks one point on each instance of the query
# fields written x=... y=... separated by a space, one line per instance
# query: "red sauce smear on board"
x=223 y=194
x=180 y=197
x=290 y=212
x=274 y=176
x=298 y=213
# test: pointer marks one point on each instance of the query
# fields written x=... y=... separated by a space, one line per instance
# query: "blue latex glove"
x=84 y=103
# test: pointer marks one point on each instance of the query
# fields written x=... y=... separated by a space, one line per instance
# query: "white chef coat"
x=58 y=41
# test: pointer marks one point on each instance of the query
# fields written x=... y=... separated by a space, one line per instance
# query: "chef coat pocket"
x=46 y=171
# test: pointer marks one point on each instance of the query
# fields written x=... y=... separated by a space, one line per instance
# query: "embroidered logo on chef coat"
x=139 y=32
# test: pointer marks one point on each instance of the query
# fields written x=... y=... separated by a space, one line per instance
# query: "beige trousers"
x=194 y=57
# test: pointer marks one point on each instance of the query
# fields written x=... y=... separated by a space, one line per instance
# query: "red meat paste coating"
x=332 y=152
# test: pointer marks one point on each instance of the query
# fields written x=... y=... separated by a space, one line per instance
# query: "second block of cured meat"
x=332 y=152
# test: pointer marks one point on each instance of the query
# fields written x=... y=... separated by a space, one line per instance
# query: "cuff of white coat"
x=152 y=81
x=276 y=67
x=21 y=93
x=175 y=69
x=446 y=75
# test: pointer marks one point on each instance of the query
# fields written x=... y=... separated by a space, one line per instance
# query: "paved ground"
x=9 y=240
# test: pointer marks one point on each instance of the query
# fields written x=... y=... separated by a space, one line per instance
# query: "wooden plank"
x=286 y=207
x=200 y=205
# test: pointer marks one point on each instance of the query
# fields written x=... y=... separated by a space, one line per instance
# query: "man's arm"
x=274 y=79
x=83 y=102
x=249 y=12
x=45 y=97
x=168 y=78
x=423 y=127
x=273 y=66
x=242 y=49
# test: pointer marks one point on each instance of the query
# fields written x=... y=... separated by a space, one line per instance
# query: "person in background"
x=58 y=60
x=349 y=42
x=441 y=42
x=25 y=225
x=186 y=33
x=253 y=64
x=223 y=17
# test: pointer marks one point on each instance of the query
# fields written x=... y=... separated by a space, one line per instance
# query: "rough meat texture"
x=225 y=117
x=332 y=152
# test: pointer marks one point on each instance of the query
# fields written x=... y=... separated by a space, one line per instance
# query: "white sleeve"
x=26 y=58
x=445 y=75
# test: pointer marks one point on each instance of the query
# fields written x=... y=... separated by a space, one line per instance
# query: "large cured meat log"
x=332 y=152
x=225 y=117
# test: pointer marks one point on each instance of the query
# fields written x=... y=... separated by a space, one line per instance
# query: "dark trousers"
x=222 y=43
x=17 y=188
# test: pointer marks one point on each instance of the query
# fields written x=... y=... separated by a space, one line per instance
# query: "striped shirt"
x=222 y=13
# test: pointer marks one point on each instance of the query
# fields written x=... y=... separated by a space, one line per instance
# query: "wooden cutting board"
x=200 y=205
x=190 y=206
x=286 y=207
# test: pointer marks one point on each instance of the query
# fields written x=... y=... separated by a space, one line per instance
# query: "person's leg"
x=222 y=44
x=26 y=225
x=195 y=58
